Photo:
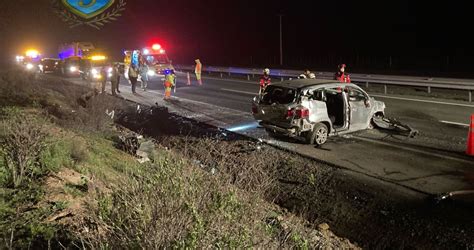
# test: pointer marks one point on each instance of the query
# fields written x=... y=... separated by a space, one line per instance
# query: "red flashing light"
x=156 y=46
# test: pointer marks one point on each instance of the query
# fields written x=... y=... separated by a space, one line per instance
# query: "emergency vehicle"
x=155 y=57
x=30 y=60
x=71 y=55
x=95 y=68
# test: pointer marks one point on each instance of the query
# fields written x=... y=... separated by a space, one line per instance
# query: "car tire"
x=319 y=135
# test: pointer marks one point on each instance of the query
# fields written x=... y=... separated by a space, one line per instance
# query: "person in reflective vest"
x=265 y=80
x=198 y=71
x=169 y=83
x=341 y=74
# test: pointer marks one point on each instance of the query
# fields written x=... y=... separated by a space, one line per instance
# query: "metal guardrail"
x=385 y=80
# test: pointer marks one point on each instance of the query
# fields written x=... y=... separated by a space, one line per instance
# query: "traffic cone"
x=189 y=79
x=470 y=138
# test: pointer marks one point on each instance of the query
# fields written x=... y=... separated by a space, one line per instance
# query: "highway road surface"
x=432 y=163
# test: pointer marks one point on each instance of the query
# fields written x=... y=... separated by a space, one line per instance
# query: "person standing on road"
x=144 y=75
x=103 y=78
x=341 y=74
x=169 y=83
x=121 y=72
x=114 y=79
x=265 y=80
x=198 y=71
x=133 y=76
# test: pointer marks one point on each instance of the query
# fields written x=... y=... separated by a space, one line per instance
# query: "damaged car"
x=311 y=110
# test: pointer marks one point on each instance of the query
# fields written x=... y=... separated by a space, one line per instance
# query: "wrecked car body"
x=312 y=110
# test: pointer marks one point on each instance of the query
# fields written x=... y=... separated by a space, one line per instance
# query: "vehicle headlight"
x=110 y=70
x=151 y=73
x=95 y=71
x=29 y=66
x=73 y=69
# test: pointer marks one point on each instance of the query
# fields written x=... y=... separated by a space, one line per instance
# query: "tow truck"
x=154 y=56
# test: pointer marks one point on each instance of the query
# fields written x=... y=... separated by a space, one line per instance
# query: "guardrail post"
x=429 y=89
x=221 y=74
x=385 y=88
x=229 y=73
x=281 y=79
x=470 y=95
x=367 y=84
x=248 y=77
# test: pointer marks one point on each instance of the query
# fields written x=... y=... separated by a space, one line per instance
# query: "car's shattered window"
x=278 y=95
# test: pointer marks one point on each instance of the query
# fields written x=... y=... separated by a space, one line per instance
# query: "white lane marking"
x=241 y=92
x=412 y=149
x=427 y=101
x=215 y=107
x=455 y=123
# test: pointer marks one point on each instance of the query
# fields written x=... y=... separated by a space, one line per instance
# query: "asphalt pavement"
x=432 y=163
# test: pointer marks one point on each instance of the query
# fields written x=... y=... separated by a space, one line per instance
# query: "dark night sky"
x=236 y=32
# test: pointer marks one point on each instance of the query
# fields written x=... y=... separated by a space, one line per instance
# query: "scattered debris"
x=129 y=144
x=394 y=125
x=445 y=196
x=111 y=114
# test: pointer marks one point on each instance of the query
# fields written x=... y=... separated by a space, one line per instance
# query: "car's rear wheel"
x=319 y=135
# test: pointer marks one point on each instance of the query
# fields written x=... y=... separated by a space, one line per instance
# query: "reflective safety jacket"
x=198 y=68
x=265 y=80
x=340 y=76
x=170 y=80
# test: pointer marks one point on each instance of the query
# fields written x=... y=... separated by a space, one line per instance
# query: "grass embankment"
x=64 y=182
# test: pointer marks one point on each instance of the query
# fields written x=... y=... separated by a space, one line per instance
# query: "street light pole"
x=281 y=40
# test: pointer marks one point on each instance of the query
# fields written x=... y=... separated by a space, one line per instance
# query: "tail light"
x=302 y=113
x=254 y=109
x=290 y=113
x=298 y=113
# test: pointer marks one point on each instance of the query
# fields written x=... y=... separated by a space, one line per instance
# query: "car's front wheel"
x=319 y=135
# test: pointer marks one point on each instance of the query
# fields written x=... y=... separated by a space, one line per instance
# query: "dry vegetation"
x=79 y=190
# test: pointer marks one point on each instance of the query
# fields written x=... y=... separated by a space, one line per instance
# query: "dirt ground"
x=370 y=212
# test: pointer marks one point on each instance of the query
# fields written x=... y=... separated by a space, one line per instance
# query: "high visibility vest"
x=198 y=68
x=169 y=80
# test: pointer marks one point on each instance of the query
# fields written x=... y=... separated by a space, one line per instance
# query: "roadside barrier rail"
x=385 y=80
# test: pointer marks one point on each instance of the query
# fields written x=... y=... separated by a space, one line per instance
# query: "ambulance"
x=155 y=57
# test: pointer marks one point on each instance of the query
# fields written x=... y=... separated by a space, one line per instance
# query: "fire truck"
x=155 y=57
x=71 y=55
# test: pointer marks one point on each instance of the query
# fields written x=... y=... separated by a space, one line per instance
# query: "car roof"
x=303 y=83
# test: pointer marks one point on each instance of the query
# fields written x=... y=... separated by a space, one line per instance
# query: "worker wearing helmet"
x=198 y=70
x=341 y=74
x=307 y=75
x=170 y=78
x=265 y=80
